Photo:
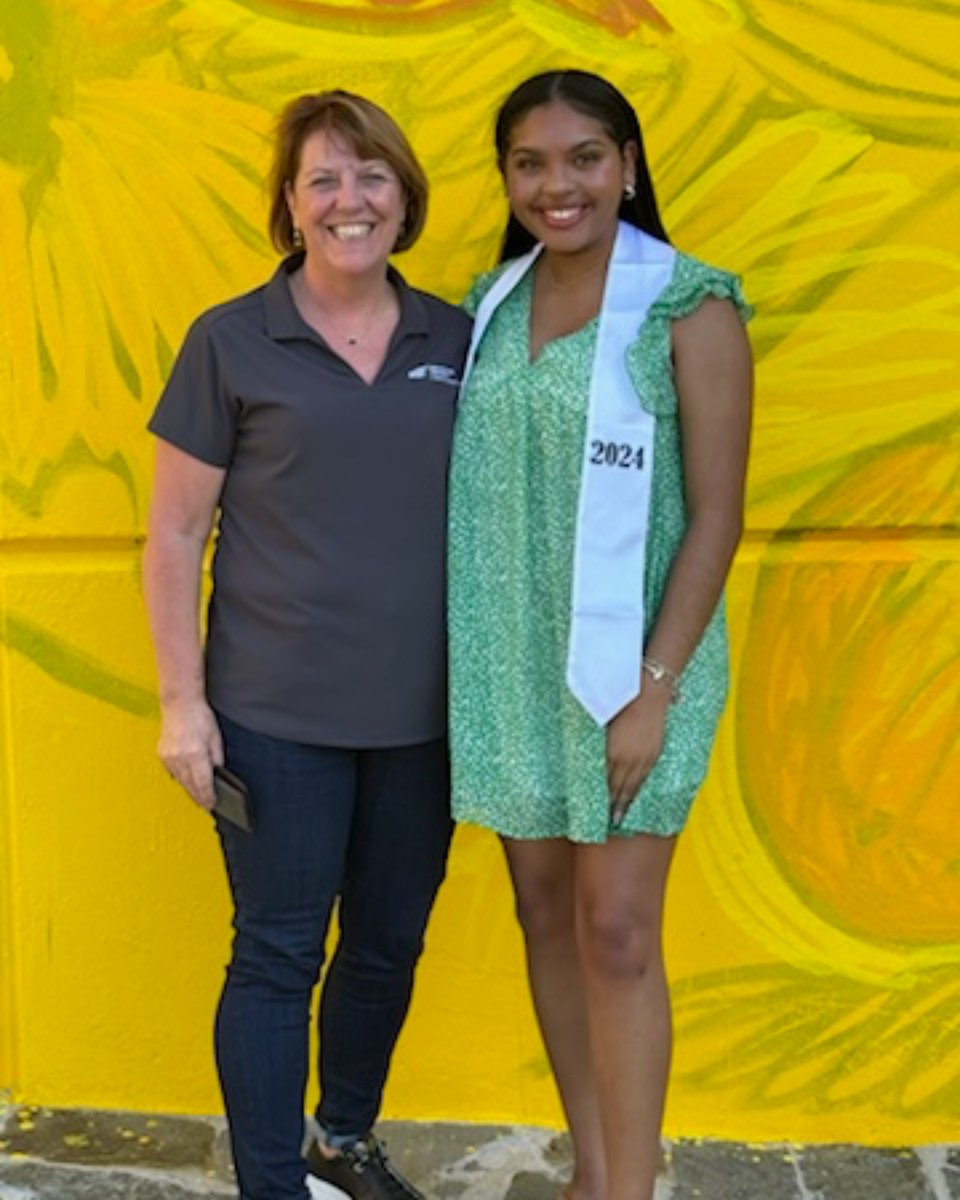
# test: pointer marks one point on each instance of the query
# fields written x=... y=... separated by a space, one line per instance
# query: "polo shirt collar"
x=284 y=322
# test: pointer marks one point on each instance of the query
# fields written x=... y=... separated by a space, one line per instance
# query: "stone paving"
x=48 y=1154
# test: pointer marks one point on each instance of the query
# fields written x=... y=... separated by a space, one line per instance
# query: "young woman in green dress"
x=596 y=503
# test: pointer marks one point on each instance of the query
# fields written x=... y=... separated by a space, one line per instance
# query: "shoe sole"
x=321 y=1190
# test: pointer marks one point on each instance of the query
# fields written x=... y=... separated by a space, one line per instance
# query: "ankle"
x=585 y=1184
x=335 y=1145
x=579 y=1191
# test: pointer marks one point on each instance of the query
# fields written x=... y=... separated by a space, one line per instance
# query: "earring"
x=297 y=238
x=629 y=192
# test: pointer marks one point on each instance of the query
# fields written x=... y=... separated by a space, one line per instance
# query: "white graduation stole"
x=607 y=614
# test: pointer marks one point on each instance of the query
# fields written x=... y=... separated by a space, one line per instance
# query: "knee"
x=617 y=942
x=544 y=908
x=273 y=959
x=379 y=956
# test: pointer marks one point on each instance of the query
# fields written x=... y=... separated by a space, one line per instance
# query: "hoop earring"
x=629 y=192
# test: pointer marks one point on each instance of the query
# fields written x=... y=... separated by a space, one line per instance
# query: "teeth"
x=350 y=233
x=561 y=214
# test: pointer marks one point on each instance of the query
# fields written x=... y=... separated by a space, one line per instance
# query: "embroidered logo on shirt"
x=435 y=372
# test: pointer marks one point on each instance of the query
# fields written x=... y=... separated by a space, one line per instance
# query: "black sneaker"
x=363 y=1171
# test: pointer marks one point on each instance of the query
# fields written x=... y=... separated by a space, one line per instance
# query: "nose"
x=348 y=193
x=556 y=181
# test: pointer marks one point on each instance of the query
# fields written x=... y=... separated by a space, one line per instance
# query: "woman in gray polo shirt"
x=311 y=420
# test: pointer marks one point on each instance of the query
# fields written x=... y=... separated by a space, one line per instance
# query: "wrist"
x=171 y=701
x=663 y=677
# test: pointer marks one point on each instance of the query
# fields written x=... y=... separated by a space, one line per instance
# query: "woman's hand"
x=189 y=747
x=634 y=742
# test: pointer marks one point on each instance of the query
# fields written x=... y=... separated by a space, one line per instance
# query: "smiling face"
x=349 y=209
x=565 y=178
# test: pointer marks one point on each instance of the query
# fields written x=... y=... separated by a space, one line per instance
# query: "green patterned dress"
x=528 y=761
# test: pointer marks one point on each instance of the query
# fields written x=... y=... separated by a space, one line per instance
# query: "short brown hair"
x=369 y=131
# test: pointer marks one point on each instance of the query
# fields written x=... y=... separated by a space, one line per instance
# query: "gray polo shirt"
x=327 y=619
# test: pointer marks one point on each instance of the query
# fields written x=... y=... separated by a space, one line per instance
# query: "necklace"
x=348 y=338
x=351 y=339
x=322 y=319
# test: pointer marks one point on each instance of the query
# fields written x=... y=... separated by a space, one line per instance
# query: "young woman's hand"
x=634 y=742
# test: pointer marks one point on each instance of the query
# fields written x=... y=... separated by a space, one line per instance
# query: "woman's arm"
x=185 y=495
x=714 y=380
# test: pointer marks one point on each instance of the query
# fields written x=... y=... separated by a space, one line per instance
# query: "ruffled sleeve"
x=692 y=282
x=649 y=357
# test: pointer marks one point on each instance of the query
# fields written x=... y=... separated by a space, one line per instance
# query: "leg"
x=619 y=909
x=395 y=864
x=543 y=881
x=284 y=876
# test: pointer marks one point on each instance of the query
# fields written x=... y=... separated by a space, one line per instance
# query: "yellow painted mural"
x=814 y=914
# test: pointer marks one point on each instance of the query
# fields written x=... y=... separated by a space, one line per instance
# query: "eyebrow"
x=365 y=164
x=584 y=145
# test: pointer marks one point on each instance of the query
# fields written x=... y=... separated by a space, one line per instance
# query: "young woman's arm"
x=714 y=379
x=185 y=495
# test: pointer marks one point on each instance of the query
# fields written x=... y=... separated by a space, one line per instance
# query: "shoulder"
x=236 y=313
x=696 y=323
x=481 y=285
x=695 y=282
x=443 y=316
x=708 y=312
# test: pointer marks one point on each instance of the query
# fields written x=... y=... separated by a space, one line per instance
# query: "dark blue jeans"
x=372 y=828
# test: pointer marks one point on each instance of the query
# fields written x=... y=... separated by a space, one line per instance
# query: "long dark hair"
x=594 y=97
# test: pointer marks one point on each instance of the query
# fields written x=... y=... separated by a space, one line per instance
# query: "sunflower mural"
x=814 y=916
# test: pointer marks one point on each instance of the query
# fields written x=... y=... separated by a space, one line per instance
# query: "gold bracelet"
x=662 y=674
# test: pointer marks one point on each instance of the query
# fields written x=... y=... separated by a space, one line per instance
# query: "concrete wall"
x=815 y=907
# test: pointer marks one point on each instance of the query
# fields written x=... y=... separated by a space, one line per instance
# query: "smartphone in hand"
x=232 y=799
